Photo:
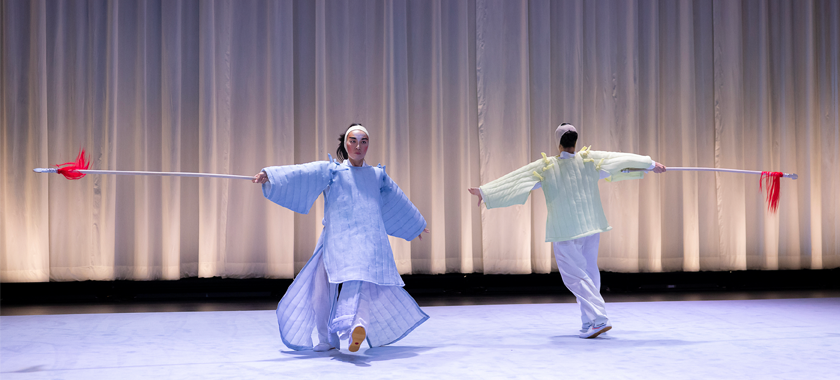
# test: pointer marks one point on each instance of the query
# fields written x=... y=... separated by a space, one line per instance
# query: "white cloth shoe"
x=321 y=347
x=594 y=331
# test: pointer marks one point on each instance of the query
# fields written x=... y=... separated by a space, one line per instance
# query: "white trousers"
x=351 y=310
x=577 y=261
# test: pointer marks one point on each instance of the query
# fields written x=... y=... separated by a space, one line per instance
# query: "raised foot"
x=356 y=338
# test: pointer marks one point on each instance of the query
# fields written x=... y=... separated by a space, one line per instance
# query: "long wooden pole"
x=170 y=174
x=699 y=169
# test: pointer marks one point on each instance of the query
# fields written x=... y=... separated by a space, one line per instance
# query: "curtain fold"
x=540 y=113
x=503 y=127
x=24 y=201
x=454 y=93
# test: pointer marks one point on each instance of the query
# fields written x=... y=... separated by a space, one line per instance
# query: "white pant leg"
x=363 y=311
x=589 y=249
x=351 y=309
x=321 y=302
x=576 y=260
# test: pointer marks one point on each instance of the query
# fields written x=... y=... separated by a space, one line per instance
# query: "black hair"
x=341 y=152
x=569 y=139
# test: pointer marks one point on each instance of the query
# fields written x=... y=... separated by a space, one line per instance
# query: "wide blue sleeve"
x=401 y=218
x=296 y=187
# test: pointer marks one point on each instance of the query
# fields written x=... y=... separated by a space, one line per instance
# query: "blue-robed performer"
x=362 y=206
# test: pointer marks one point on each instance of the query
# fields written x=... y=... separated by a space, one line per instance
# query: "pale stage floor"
x=653 y=338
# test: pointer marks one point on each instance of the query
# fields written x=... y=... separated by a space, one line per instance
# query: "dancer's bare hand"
x=659 y=168
x=426 y=230
x=475 y=191
x=261 y=177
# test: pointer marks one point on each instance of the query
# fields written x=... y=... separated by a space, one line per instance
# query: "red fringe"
x=771 y=180
x=69 y=169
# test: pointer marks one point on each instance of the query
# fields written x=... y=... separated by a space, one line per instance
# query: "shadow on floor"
x=364 y=358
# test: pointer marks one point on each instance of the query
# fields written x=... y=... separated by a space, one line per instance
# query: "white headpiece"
x=354 y=128
x=561 y=130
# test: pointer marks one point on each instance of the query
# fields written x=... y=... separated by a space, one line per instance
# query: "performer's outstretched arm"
x=295 y=187
x=512 y=188
x=400 y=216
x=613 y=165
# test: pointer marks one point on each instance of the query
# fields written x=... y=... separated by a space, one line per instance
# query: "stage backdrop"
x=454 y=94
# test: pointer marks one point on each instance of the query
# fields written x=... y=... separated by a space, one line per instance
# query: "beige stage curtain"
x=454 y=93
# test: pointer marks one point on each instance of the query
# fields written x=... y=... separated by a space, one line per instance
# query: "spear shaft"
x=700 y=169
x=167 y=174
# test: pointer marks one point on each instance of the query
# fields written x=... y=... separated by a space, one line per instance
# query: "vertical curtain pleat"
x=829 y=61
x=24 y=201
x=426 y=95
x=172 y=91
x=80 y=71
x=541 y=139
x=438 y=89
x=503 y=127
x=454 y=93
x=214 y=133
x=653 y=46
x=310 y=143
x=730 y=134
x=609 y=118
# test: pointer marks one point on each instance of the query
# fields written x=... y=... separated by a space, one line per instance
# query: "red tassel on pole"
x=69 y=169
x=771 y=180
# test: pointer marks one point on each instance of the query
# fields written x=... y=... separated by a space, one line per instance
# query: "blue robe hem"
x=416 y=325
x=293 y=346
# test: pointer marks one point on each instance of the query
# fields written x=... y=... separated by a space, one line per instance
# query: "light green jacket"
x=571 y=189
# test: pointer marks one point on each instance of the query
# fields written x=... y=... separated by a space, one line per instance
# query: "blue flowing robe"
x=362 y=206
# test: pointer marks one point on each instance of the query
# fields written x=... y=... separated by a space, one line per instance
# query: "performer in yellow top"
x=575 y=215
